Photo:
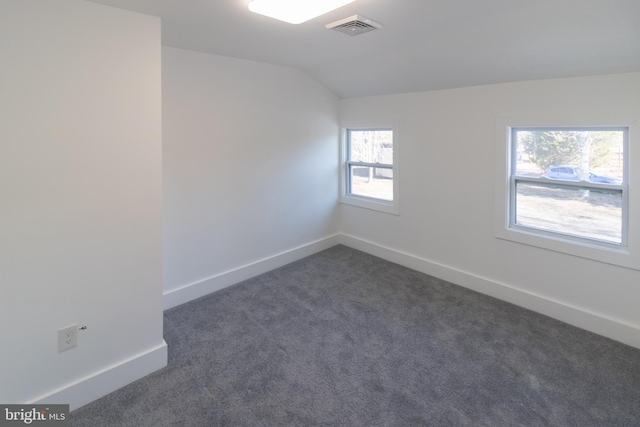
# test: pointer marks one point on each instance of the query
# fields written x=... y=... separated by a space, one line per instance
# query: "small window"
x=570 y=183
x=370 y=163
x=370 y=170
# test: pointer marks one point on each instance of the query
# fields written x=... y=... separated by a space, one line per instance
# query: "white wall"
x=446 y=226
x=80 y=199
x=250 y=169
x=250 y=182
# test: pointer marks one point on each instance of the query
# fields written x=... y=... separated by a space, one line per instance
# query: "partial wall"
x=80 y=199
x=447 y=209
x=250 y=169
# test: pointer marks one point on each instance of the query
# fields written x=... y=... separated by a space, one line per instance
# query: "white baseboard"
x=593 y=322
x=110 y=379
x=101 y=383
x=201 y=288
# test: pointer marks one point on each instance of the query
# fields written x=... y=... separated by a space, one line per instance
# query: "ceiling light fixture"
x=295 y=11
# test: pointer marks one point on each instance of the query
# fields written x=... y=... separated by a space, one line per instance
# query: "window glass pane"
x=371 y=146
x=371 y=182
x=583 y=213
x=594 y=155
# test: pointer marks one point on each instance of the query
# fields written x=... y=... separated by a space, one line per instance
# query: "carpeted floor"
x=342 y=338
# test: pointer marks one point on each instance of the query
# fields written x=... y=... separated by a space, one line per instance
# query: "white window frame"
x=346 y=197
x=626 y=254
x=623 y=188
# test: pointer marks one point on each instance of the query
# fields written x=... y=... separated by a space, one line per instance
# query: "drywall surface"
x=250 y=166
x=80 y=198
x=447 y=210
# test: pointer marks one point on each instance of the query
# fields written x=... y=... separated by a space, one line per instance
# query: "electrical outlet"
x=67 y=337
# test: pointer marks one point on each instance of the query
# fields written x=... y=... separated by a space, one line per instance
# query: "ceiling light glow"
x=295 y=11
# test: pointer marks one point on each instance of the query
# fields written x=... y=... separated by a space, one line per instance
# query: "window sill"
x=379 y=205
x=621 y=256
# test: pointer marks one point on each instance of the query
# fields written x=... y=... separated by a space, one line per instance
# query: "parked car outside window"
x=572 y=173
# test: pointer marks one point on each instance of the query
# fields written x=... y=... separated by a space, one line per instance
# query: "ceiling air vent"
x=354 y=25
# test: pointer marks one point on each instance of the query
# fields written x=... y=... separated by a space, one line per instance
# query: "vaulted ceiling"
x=423 y=44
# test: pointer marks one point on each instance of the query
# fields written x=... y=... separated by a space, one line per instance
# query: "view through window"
x=569 y=181
x=370 y=163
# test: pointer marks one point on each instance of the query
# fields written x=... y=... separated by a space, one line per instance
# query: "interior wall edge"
x=107 y=380
x=576 y=316
x=222 y=280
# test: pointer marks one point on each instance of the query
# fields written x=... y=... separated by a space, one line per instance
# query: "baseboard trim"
x=201 y=288
x=108 y=380
x=584 y=319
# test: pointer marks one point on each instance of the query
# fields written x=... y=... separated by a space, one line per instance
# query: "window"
x=565 y=182
x=569 y=182
x=370 y=171
x=370 y=163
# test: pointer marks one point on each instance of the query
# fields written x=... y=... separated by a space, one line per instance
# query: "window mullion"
x=371 y=165
x=586 y=185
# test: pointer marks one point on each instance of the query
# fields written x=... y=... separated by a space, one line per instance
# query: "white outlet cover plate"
x=67 y=337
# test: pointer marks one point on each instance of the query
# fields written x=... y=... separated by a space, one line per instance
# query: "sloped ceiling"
x=423 y=45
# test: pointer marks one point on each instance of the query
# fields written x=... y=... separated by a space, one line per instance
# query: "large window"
x=565 y=182
x=369 y=175
x=570 y=182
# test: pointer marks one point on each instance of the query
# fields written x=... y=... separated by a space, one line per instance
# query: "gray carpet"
x=342 y=338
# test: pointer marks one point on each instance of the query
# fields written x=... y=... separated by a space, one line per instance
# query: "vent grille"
x=354 y=25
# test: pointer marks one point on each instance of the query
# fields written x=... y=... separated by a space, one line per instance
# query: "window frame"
x=373 y=203
x=626 y=254
x=623 y=188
